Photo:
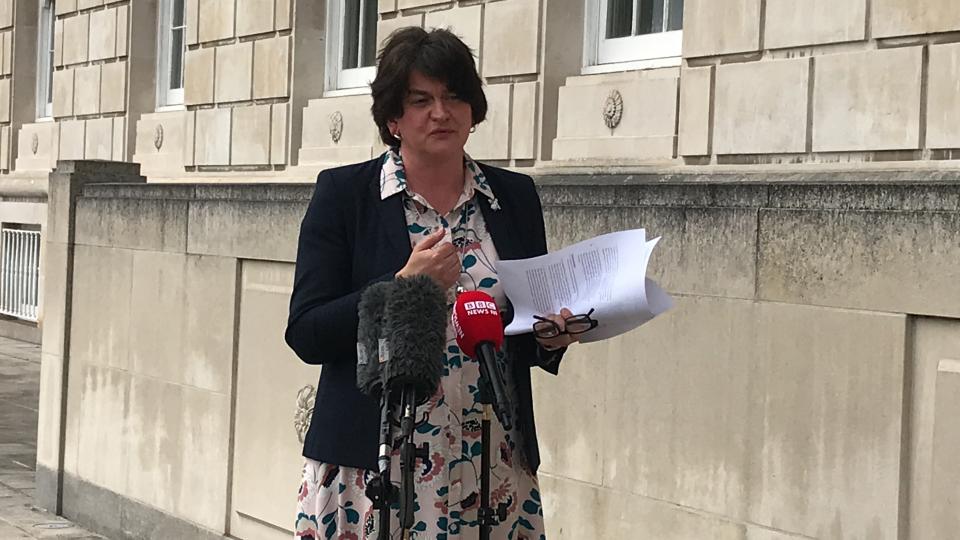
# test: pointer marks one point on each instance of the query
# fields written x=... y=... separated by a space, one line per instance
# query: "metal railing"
x=20 y=273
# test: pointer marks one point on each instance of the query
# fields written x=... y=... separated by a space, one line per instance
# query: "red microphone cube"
x=476 y=319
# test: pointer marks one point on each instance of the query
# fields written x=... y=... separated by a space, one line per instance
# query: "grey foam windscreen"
x=415 y=325
x=371 y=308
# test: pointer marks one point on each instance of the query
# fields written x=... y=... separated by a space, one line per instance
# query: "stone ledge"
x=99 y=168
x=260 y=192
x=145 y=191
x=890 y=261
x=556 y=176
x=853 y=190
x=913 y=197
x=119 y=517
x=132 y=223
x=19 y=330
x=652 y=195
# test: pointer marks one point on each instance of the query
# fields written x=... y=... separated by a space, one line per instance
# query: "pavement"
x=19 y=399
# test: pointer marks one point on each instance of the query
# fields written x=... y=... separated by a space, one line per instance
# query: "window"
x=45 y=59
x=170 y=53
x=352 y=43
x=647 y=31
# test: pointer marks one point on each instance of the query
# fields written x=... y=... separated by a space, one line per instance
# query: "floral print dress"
x=332 y=503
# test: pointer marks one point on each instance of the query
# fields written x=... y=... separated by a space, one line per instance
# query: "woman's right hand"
x=431 y=258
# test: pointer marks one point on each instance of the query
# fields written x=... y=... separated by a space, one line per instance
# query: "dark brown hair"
x=438 y=54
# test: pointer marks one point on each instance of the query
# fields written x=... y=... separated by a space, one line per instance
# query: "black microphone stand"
x=408 y=456
x=486 y=515
x=380 y=490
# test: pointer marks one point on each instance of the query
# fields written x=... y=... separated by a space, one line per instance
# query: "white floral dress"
x=332 y=503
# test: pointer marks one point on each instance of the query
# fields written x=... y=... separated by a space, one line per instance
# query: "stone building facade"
x=259 y=89
x=800 y=160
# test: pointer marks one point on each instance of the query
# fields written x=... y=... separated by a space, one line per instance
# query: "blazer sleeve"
x=322 y=326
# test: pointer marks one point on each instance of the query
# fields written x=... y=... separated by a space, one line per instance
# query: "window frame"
x=340 y=81
x=601 y=55
x=47 y=20
x=169 y=98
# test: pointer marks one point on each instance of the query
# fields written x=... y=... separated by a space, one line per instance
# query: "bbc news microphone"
x=479 y=332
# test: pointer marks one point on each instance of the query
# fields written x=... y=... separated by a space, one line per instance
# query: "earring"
x=397 y=135
x=473 y=129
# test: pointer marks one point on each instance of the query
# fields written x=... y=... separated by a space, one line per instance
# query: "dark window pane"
x=650 y=17
x=351 y=33
x=50 y=78
x=51 y=23
x=176 y=59
x=675 y=21
x=619 y=18
x=177 y=13
x=369 y=33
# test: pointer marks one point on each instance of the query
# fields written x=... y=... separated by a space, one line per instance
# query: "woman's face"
x=435 y=121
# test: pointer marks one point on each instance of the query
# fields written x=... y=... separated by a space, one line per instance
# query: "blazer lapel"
x=502 y=228
x=393 y=226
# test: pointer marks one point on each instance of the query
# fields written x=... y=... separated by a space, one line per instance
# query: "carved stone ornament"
x=306 y=399
x=336 y=126
x=34 y=143
x=158 y=136
x=613 y=109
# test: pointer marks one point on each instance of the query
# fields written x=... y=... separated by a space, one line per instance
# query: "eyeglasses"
x=574 y=324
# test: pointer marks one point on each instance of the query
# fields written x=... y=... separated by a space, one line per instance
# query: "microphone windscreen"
x=476 y=320
x=370 y=310
x=415 y=324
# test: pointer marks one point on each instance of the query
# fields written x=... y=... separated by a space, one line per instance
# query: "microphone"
x=369 y=335
x=415 y=324
x=479 y=331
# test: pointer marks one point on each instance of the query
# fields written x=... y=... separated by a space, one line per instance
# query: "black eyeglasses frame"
x=547 y=329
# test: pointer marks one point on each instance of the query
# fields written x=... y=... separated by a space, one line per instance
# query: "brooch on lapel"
x=495 y=205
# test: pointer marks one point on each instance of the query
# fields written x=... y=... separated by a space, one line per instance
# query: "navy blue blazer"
x=349 y=239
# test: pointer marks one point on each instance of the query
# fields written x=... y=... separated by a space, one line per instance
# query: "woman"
x=424 y=207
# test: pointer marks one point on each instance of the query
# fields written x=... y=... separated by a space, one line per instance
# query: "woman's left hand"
x=563 y=340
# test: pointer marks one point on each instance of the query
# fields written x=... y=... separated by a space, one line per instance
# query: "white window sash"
x=334 y=43
x=655 y=50
x=356 y=78
x=645 y=47
x=337 y=77
x=175 y=96
x=45 y=75
x=166 y=96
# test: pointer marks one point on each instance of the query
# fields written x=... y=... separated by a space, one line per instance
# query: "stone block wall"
x=239 y=62
x=90 y=88
x=758 y=82
x=804 y=386
x=785 y=82
x=6 y=82
x=240 y=90
x=176 y=306
x=819 y=81
x=522 y=68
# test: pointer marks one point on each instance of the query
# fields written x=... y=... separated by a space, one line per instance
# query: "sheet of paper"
x=606 y=274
